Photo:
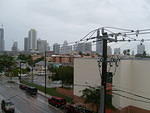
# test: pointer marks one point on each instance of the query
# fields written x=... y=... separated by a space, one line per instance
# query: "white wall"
x=85 y=73
x=131 y=75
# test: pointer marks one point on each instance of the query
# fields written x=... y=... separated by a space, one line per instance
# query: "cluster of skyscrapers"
x=65 y=48
x=31 y=44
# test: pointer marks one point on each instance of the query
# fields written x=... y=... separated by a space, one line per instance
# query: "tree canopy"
x=7 y=63
x=63 y=73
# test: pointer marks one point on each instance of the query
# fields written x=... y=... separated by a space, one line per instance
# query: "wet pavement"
x=25 y=103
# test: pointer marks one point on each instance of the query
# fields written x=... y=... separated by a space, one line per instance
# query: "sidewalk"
x=46 y=96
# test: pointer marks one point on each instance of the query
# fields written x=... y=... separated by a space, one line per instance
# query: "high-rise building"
x=26 y=44
x=15 y=46
x=41 y=45
x=32 y=39
x=2 y=42
x=88 y=47
x=80 y=47
x=56 y=48
x=66 y=49
x=83 y=47
x=116 y=51
x=48 y=47
x=99 y=47
x=140 y=48
x=109 y=50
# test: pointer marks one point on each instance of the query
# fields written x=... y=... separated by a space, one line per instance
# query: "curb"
x=47 y=96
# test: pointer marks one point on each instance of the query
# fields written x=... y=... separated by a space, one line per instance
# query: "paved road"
x=25 y=103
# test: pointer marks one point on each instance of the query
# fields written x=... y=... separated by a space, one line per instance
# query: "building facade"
x=109 y=50
x=15 y=46
x=130 y=76
x=26 y=44
x=99 y=47
x=32 y=39
x=41 y=45
x=56 y=48
x=117 y=51
x=83 y=47
x=66 y=49
x=140 y=48
x=2 y=42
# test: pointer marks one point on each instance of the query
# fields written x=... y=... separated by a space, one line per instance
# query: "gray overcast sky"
x=59 y=20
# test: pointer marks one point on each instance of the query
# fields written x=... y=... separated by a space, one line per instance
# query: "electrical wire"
x=132 y=94
x=123 y=29
x=148 y=102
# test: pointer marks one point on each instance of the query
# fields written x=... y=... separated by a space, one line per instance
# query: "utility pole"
x=104 y=69
x=20 y=72
x=32 y=71
x=45 y=72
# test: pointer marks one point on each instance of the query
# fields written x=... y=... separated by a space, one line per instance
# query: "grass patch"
x=50 y=91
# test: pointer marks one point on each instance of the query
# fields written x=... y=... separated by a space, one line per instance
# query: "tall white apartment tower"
x=2 y=42
x=32 y=39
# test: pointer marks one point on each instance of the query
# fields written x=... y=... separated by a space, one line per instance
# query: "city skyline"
x=70 y=21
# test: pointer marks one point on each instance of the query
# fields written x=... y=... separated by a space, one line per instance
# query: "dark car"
x=7 y=106
x=22 y=86
x=76 y=109
x=57 y=101
x=31 y=90
x=71 y=109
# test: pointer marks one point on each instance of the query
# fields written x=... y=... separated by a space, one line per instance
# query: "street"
x=25 y=103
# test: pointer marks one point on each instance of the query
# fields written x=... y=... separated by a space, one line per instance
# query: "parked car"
x=76 y=109
x=7 y=106
x=22 y=86
x=57 y=101
x=31 y=90
x=71 y=109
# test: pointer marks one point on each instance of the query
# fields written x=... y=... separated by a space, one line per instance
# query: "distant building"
x=88 y=47
x=133 y=53
x=63 y=59
x=15 y=46
x=83 y=47
x=109 y=50
x=26 y=44
x=32 y=39
x=48 y=47
x=56 y=48
x=66 y=49
x=41 y=45
x=80 y=47
x=117 y=51
x=99 y=47
x=140 y=48
x=2 y=42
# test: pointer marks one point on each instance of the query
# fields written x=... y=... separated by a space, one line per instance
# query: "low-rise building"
x=130 y=78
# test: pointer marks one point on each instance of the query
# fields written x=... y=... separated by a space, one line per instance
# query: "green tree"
x=7 y=64
x=92 y=95
x=63 y=73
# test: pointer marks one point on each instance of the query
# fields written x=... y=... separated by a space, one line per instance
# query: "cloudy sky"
x=59 y=20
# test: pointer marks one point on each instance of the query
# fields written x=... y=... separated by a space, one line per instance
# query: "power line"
x=132 y=94
x=148 y=102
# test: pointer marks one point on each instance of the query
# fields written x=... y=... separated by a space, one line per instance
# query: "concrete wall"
x=85 y=74
x=131 y=75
